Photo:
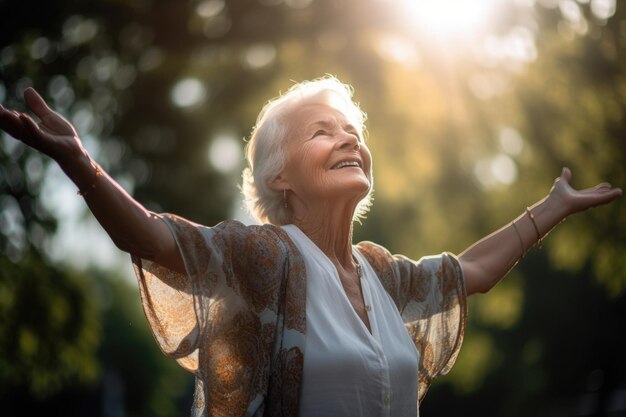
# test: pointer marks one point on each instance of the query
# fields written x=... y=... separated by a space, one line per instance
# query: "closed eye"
x=320 y=132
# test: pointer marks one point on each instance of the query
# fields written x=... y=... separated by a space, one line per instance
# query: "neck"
x=329 y=226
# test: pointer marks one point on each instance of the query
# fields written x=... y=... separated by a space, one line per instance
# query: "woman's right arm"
x=131 y=226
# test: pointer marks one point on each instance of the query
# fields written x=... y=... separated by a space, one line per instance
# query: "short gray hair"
x=265 y=151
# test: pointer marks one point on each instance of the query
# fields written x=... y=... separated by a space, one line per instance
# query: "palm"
x=579 y=200
x=53 y=135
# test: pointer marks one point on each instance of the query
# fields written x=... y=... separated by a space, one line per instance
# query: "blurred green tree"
x=50 y=329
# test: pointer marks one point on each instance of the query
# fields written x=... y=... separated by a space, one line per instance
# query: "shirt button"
x=368 y=307
x=386 y=399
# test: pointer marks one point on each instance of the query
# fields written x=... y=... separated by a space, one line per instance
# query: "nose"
x=349 y=141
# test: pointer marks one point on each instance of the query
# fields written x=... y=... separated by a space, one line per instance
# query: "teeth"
x=346 y=164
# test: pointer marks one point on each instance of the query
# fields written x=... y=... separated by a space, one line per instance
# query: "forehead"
x=307 y=115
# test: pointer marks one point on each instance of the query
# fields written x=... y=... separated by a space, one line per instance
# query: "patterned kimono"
x=237 y=319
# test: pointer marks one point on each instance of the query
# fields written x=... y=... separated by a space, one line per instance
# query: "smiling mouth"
x=344 y=164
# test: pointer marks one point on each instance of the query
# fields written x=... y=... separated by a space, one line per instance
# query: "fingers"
x=602 y=189
x=30 y=125
x=566 y=174
x=37 y=138
x=597 y=197
x=11 y=123
x=54 y=122
x=608 y=196
x=605 y=186
x=30 y=129
x=616 y=191
x=36 y=103
x=51 y=119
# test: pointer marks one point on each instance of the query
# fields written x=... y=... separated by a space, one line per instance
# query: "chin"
x=360 y=188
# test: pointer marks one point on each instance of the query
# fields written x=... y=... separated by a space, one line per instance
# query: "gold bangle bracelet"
x=98 y=173
x=532 y=219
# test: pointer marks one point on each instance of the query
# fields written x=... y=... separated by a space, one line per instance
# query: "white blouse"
x=349 y=371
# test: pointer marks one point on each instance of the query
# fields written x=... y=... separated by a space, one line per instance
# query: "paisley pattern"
x=237 y=319
x=431 y=298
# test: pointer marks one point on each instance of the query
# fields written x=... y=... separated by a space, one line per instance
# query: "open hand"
x=53 y=136
x=579 y=200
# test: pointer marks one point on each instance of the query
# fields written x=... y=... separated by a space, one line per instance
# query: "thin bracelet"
x=532 y=219
x=521 y=242
x=93 y=184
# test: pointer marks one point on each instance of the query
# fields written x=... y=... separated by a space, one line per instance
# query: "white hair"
x=266 y=149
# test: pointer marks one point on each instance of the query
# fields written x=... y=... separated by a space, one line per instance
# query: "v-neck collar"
x=365 y=281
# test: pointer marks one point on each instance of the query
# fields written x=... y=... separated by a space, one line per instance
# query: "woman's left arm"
x=487 y=261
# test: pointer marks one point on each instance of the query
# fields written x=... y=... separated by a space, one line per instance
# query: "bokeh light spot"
x=188 y=92
x=497 y=171
x=83 y=117
x=504 y=169
x=106 y=67
x=39 y=48
x=570 y=10
x=511 y=141
x=7 y=55
x=210 y=8
x=397 y=49
x=603 y=9
x=77 y=30
x=21 y=85
x=12 y=225
x=61 y=92
x=259 y=55
x=225 y=153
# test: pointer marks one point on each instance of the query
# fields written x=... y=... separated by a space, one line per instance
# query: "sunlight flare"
x=451 y=18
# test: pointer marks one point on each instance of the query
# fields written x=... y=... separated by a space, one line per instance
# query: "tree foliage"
x=50 y=329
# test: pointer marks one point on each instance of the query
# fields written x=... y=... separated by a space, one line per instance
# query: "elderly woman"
x=289 y=317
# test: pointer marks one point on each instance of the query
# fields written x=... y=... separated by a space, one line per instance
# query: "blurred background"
x=474 y=107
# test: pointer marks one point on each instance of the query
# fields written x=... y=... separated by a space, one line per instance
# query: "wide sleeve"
x=177 y=305
x=431 y=298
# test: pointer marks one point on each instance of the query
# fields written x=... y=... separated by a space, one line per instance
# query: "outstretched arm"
x=488 y=260
x=132 y=227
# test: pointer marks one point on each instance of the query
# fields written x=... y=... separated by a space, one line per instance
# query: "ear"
x=279 y=183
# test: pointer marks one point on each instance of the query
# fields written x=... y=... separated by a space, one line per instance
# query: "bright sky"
x=451 y=18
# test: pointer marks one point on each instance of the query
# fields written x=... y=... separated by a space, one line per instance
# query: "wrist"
x=553 y=208
x=80 y=168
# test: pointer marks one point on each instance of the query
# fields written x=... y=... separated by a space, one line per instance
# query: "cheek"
x=308 y=174
x=300 y=162
x=311 y=156
x=367 y=159
x=303 y=167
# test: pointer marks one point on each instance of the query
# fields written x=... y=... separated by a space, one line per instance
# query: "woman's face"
x=326 y=157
